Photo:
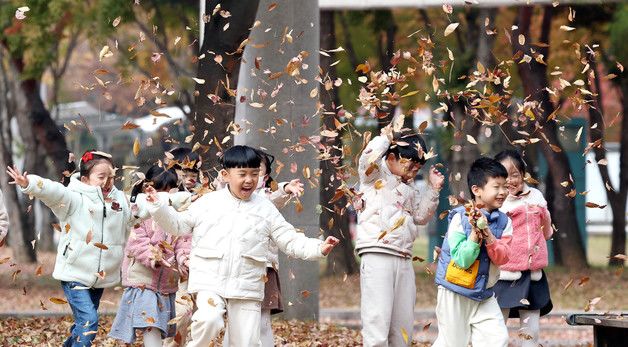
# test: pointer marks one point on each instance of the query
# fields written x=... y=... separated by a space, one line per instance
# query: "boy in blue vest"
x=477 y=242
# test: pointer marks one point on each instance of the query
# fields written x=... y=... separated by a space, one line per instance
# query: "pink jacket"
x=532 y=226
x=148 y=242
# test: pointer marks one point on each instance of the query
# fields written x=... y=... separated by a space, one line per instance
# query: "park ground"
x=29 y=318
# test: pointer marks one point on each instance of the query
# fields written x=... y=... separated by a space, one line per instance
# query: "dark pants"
x=84 y=303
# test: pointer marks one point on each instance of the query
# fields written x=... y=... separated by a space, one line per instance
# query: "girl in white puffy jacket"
x=386 y=230
x=94 y=216
x=231 y=231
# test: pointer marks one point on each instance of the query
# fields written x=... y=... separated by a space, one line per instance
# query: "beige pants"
x=208 y=321
x=388 y=297
x=184 y=307
x=265 y=332
x=460 y=318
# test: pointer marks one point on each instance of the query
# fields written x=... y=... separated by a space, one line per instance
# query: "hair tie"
x=87 y=157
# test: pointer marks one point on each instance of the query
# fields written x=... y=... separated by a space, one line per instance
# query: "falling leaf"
x=58 y=301
x=39 y=271
x=128 y=125
x=566 y=28
x=218 y=60
x=89 y=237
x=451 y=28
x=272 y=6
x=379 y=184
x=136 y=147
x=448 y=9
x=583 y=280
x=471 y=139
x=594 y=205
x=116 y=21
x=524 y=301
x=198 y=80
x=104 y=53
x=404 y=334
x=224 y=28
x=568 y=285
x=101 y=246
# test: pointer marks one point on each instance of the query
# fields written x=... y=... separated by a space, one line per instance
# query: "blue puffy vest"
x=497 y=223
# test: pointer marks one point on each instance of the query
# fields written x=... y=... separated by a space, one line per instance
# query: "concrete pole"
x=299 y=19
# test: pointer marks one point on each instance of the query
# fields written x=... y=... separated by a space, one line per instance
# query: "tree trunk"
x=618 y=239
x=568 y=243
x=12 y=103
x=334 y=218
x=212 y=118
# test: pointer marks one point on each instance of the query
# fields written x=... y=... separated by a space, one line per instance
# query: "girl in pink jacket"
x=154 y=260
x=522 y=291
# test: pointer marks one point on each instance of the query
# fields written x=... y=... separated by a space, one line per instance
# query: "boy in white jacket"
x=231 y=230
x=386 y=230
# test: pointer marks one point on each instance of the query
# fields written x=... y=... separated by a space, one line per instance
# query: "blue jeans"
x=84 y=304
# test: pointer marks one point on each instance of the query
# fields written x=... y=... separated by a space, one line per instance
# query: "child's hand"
x=475 y=236
x=294 y=187
x=436 y=178
x=329 y=244
x=151 y=194
x=488 y=236
x=18 y=178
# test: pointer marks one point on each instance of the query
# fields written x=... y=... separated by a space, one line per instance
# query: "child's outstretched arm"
x=499 y=249
x=4 y=219
x=61 y=200
x=464 y=251
x=297 y=244
x=169 y=219
x=369 y=162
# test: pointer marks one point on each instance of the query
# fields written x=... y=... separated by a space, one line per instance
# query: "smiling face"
x=492 y=194
x=242 y=181
x=101 y=175
x=514 y=182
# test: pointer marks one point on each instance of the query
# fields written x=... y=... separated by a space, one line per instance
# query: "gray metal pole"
x=270 y=45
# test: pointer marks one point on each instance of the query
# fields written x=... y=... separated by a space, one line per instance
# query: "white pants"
x=388 y=297
x=184 y=307
x=208 y=321
x=265 y=331
x=529 y=320
x=460 y=318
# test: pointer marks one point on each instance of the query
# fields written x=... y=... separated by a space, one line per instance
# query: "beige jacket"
x=390 y=205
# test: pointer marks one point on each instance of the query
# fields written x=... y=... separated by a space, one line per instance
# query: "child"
x=94 y=217
x=272 y=290
x=149 y=273
x=4 y=220
x=387 y=228
x=231 y=229
x=468 y=264
x=522 y=277
x=187 y=164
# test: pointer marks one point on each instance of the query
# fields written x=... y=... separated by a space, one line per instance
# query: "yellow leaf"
x=136 y=147
x=404 y=334
x=58 y=301
x=379 y=184
x=399 y=222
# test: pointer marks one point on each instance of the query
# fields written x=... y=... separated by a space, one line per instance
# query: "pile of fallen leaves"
x=46 y=331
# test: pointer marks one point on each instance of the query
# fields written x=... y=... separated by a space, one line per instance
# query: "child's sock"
x=152 y=337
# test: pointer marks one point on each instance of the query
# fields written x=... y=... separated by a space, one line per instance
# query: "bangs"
x=244 y=157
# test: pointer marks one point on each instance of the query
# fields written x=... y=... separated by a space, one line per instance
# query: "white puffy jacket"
x=230 y=241
x=387 y=202
x=82 y=210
